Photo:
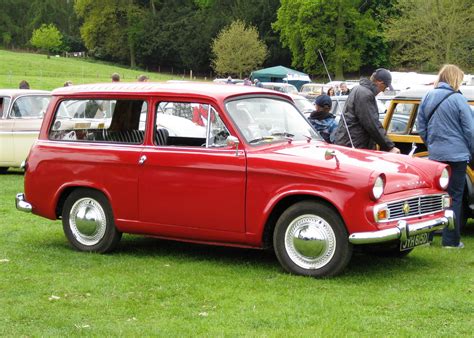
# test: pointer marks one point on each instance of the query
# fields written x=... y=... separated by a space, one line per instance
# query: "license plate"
x=413 y=241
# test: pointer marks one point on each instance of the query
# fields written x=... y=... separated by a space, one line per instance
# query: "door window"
x=400 y=117
x=189 y=124
x=29 y=107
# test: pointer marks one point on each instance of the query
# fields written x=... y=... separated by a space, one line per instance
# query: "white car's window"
x=189 y=124
x=263 y=120
x=95 y=120
x=29 y=107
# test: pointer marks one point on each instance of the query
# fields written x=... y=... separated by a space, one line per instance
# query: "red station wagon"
x=223 y=165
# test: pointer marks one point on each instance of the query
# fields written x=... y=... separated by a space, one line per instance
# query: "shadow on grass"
x=361 y=264
x=148 y=247
x=14 y=172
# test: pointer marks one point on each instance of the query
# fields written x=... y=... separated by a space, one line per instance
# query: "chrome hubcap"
x=87 y=221
x=310 y=242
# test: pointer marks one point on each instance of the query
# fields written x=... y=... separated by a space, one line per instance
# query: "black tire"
x=88 y=222
x=310 y=239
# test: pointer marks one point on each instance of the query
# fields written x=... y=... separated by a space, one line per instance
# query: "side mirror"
x=233 y=141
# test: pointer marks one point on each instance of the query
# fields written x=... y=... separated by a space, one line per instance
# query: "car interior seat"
x=161 y=136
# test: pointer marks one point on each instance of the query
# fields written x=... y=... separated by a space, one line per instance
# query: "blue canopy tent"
x=281 y=74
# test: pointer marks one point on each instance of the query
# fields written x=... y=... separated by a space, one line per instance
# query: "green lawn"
x=154 y=287
x=44 y=73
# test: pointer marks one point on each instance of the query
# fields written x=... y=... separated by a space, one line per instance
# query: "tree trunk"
x=153 y=8
x=339 y=43
x=132 y=55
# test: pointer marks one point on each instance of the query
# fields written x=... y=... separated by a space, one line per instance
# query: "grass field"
x=44 y=73
x=154 y=287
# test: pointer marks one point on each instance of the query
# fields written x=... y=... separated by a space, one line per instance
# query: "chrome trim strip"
x=403 y=230
x=22 y=204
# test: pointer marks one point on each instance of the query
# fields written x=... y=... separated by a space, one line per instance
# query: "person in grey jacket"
x=445 y=123
x=360 y=126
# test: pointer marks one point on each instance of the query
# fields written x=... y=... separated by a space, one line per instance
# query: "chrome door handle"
x=142 y=159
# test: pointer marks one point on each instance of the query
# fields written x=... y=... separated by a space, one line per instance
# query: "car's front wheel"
x=88 y=221
x=310 y=239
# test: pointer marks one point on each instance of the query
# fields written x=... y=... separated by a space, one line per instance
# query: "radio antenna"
x=338 y=105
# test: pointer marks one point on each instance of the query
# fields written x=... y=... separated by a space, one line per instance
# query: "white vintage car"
x=21 y=115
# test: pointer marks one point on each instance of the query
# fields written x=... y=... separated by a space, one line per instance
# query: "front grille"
x=421 y=205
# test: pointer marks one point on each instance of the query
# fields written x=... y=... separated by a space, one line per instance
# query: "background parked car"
x=304 y=105
x=21 y=115
x=280 y=87
x=313 y=90
x=400 y=123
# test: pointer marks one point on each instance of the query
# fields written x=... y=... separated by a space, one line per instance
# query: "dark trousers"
x=455 y=189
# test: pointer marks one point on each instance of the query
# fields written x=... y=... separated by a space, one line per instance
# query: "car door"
x=191 y=182
x=6 y=137
x=27 y=115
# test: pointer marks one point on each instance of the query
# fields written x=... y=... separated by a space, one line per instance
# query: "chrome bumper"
x=22 y=204
x=404 y=230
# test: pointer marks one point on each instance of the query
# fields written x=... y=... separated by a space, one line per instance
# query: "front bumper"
x=403 y=230
x=22 y=204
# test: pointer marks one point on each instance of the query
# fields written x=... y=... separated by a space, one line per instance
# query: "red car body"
x=233 y=194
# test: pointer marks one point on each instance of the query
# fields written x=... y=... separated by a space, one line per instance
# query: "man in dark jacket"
x=361 y=115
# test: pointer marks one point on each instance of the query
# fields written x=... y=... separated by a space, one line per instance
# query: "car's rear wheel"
x=88 y=221
x=310 y=239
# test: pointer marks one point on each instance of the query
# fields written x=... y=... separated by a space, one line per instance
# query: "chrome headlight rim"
x=378 y=187
x=443 y=180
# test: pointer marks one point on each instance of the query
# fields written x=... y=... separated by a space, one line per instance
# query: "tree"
x=47 y=38
x=340 y=29
x=429 y=33
x=237 y=49
x=111 y=27
x=12 y=23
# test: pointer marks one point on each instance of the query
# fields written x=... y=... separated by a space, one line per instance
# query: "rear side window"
x=94 y=120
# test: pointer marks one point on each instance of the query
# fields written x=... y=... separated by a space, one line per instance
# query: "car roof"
x=18 y=92
x=417 y=93
x=218 y=91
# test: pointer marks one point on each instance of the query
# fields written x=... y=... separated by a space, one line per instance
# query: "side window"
x=401 y=116
x=189 y=124
x=95 y=120
x=29 y=107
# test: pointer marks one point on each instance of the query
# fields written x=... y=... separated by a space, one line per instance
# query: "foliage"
x=111 y=28
x=12 y=23
x=430 y=33
x=151 y=287
x=339 y=29
x=238 y=50
x=47 y=38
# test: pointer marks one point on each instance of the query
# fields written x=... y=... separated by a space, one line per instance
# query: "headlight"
x=444 y=179
x=378 y=187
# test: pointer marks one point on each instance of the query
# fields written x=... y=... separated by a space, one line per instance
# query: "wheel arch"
x=66 y=191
